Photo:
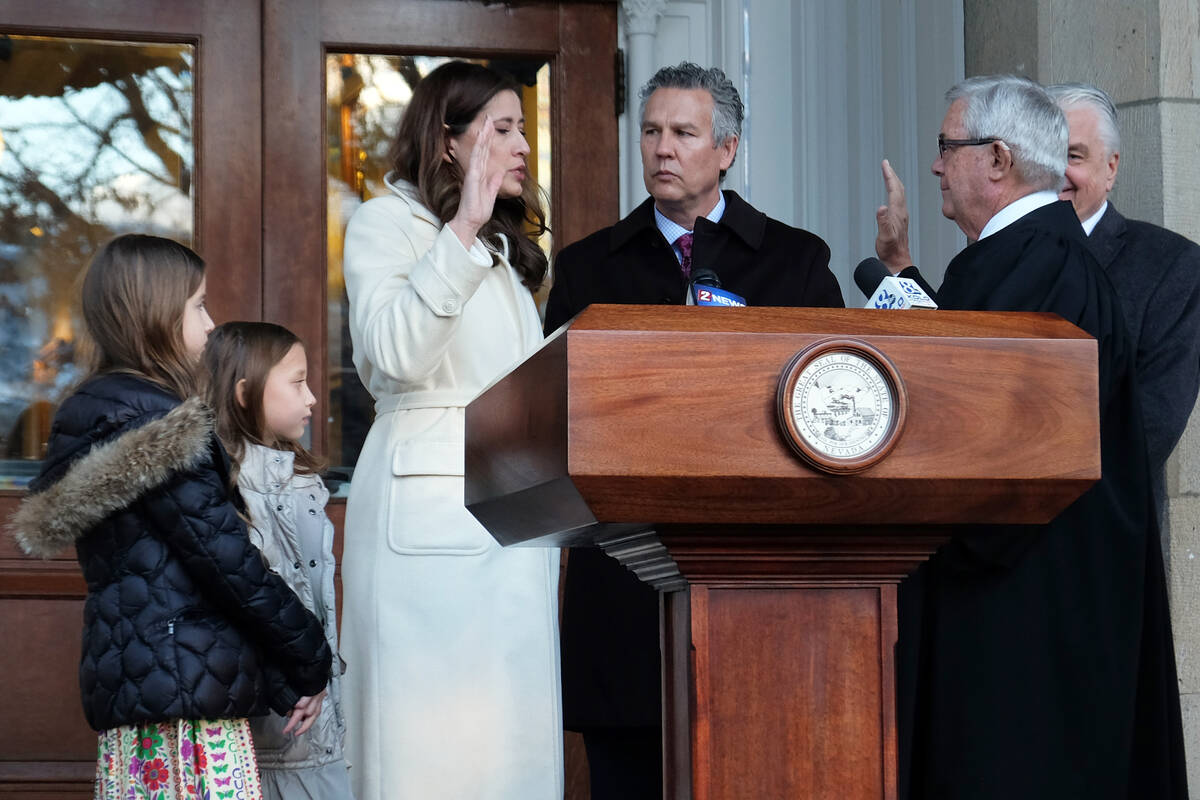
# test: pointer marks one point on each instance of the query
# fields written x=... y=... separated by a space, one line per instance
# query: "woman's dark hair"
x=238 y=351
x=135 y=293
x=443 y=105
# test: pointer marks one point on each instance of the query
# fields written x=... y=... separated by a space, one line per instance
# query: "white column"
x=641 y=28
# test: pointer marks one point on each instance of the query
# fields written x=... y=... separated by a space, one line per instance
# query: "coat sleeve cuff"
x=447 y=278
x=912 y=273
x=283 y=700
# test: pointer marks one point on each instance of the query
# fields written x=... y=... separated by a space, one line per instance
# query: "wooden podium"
x=652 y=431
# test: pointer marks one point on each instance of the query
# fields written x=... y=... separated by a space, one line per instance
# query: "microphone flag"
x=897 y=293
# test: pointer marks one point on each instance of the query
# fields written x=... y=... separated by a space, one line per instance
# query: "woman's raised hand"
x=481 y=184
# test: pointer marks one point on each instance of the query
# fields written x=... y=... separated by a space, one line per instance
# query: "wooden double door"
x=259 y=188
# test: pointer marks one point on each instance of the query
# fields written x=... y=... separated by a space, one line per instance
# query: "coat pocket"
x=274 y=748
x=425 y=512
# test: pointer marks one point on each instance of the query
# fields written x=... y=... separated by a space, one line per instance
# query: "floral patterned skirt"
x=179 y=758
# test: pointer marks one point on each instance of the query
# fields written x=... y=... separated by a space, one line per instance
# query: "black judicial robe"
x=1037 y=661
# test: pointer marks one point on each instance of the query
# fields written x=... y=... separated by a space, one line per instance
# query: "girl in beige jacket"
x=259 y=391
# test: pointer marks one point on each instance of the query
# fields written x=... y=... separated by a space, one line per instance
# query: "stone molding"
x=641 y=16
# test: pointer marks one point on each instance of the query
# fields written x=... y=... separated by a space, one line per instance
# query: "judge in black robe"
x=1039 y=658
x=1037 y=661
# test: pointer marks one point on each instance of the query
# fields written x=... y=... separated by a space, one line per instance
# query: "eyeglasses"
x=945 y=144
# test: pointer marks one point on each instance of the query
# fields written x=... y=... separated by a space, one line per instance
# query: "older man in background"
x=1156 y=273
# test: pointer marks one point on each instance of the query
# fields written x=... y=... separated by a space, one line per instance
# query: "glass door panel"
x=96 y=139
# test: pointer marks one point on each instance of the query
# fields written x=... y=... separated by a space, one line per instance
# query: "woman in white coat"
x=453 y=690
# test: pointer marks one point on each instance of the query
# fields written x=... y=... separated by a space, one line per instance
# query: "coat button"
x=296 y=565
x=449 y=306
x=312 y=511
x=312 y=563
x=279 y=508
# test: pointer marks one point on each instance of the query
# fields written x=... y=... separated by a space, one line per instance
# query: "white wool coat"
x=454 y=641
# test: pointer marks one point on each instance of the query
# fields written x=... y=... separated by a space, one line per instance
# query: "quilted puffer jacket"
x=182 y=619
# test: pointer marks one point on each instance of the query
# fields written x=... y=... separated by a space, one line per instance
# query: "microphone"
x=704 y=289
x=869 y=273
x=885 y=290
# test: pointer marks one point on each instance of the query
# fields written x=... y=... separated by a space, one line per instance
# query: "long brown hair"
x=135 y=293
x=238 y=351
x=443 y=105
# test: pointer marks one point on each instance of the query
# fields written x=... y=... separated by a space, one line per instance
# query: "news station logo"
x=896 y=293
x=710 y=296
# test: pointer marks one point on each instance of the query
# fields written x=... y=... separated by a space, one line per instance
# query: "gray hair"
x=727 y=104
x=1073 y=95
x=1021 y=113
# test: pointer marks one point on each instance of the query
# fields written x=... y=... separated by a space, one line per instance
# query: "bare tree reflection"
x=96 y=141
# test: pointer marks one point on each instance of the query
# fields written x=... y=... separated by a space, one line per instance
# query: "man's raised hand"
x=891 y=221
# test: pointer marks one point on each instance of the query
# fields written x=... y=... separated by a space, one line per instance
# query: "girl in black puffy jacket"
x=186 y=633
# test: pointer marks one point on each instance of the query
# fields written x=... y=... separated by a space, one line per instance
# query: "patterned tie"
x=684 y=243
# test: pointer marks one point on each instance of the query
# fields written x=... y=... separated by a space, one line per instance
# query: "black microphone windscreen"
x=705 y=277
x=869 y=273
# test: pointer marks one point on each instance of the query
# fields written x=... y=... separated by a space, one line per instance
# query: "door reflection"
x=95 y=140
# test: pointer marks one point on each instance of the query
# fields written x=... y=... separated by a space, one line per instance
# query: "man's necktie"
x=684 y=243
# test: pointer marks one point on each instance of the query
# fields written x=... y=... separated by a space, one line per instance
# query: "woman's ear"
x=239 y=392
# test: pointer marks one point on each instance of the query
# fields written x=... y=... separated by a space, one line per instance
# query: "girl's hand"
x=481 y=184
x=302 y=717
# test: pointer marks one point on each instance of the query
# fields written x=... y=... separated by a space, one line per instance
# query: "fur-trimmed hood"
x=111 y=476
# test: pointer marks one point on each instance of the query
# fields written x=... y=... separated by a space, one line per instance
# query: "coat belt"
x=432 y=399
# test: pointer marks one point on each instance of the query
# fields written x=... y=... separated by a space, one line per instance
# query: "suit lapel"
x=1108 y=237
x=725 y=246
x=639 y=221
x=710 y=249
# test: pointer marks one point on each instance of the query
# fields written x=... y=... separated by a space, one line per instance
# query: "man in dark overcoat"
x=1156 y=273
x=691 y=123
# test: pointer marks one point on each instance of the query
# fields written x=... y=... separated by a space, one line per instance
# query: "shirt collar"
x=1015 y=210
x=740 y=218
x=672 y=230
x=1089 y=224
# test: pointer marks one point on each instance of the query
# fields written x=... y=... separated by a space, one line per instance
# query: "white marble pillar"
x=640 y=18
